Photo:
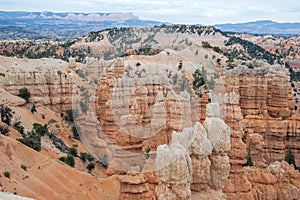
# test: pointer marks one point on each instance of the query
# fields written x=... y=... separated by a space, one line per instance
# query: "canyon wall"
x=135 y=115
x=139 y=114
x=270 y=122
x=264 y=124
x=140 y=123
x=49 y=85
x=196 y=160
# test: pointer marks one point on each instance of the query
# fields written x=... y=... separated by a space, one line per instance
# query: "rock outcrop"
x=137 y=114
x=270 y=123
x=174 y=168
x=96 y=68
x=133 y=186
x=263 y=91
x=279 y=180
x=264 y=125
x=49 y=84
x=196 y=160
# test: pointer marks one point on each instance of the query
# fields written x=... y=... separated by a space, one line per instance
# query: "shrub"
x=6 y=114
x=73 y=152
x=147 y=153
x=144 y=50
x=24 y=93
x=6 y=174
x=230 y=65
x=58 y=143
x=292 y=85
x=24 y=167
x=71 y=115
x=85 y=94
x=289 y=157
x=17 y=126
x=217 y=49
x=59 y=73
x=198 y=79
x=33 y=109
x=75 y=133
x=89 y=157
x=90 y=166
x=180 y=65
x=83 y=156
x=32 y=140
x=294 y=75
x=206 y=45
x=40 y=129
x=80 y=73
x=4 y=130
x=83 y=106
x=249 y=160
x=250 y=66
x=69 y=160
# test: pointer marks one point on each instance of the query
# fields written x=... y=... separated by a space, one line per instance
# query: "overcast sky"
x=175 y=11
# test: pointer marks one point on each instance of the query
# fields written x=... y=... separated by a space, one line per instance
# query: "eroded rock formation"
x=263 y=124
x=137 y=114
x=264 y=90
x=196 y=160
x=133 y=187
x=48 y=85
x=269 y=123
x=279 y=180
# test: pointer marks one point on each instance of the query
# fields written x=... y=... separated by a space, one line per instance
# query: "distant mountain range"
x=34 y=25
x=262 y=27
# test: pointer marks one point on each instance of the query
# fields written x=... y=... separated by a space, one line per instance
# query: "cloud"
x=176 y=11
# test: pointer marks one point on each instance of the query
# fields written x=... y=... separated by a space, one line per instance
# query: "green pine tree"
x=249 y=160
x=289 y=157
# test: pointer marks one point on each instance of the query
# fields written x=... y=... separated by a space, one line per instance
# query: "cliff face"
x=267 y=108
x=264 y=124
x=133 y=186
x=135 y=115
x=265 y=91
x=48 y=85
x=196 y=160
x=96 y=68
x=279 y=180
x=138 y=114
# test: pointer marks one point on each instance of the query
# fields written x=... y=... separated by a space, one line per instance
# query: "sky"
x=206 y=12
